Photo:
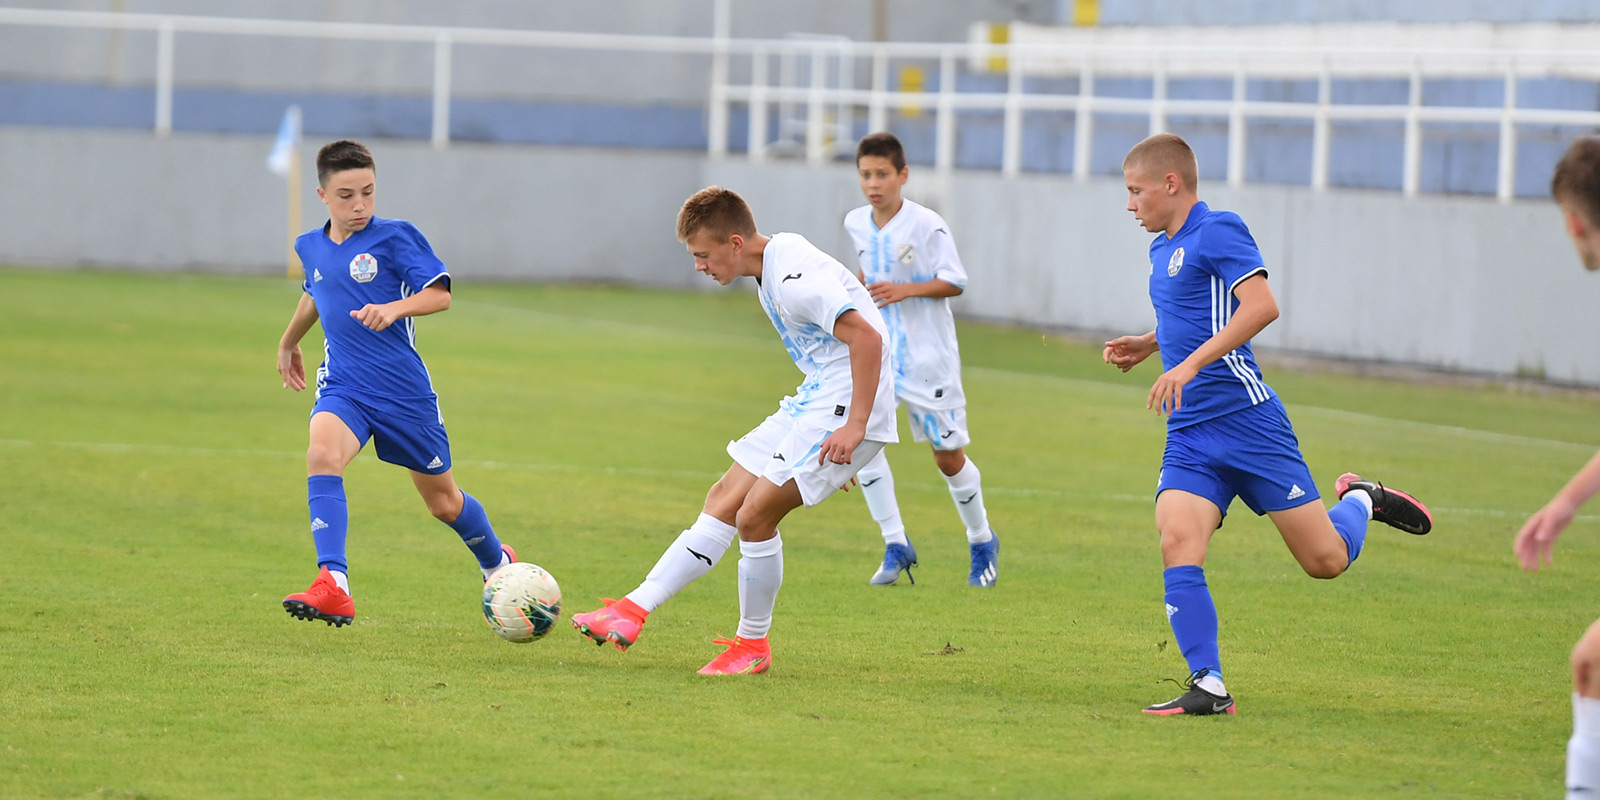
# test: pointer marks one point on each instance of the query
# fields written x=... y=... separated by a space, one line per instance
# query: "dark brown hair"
x=883 y=144
x=343 y=155
x=1577 y=178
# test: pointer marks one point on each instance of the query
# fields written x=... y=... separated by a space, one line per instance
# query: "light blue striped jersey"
x=386 y=261
x=804 y=290
x=915 y=246
x=1192 y=278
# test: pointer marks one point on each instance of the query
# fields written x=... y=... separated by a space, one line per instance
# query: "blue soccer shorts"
x=1250 y=454
x=420 y=445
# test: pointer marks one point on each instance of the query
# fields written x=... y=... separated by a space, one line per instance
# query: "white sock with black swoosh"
x=877 y=486
x=966 y=489
x=690 y=556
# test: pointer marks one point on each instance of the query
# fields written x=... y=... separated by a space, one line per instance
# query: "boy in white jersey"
x=1575 y=186
x=838 y=419
x=909 y=264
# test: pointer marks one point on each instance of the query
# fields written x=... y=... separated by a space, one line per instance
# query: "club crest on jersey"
x=906 y=254
x=363 y=268
x=1176 y=263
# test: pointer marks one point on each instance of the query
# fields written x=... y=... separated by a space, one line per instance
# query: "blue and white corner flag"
x=280 y=161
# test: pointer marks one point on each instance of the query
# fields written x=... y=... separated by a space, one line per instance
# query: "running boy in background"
x=909 y=264
x=1576 y=189
x=1227 y=432
x=841 y=416
x=365 y=279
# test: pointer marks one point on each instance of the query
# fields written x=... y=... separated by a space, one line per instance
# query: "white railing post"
x=878 y=105
x=1083 y=122
x=1236 y=127
x=1320 y=129
x=1158 y=98
x=441 y=91
x=757 y=146
x=164 y=44
x=945 y=136
x=717 y=114
x=844 y=114
x=816 y=151
x=1411 y=183
x=1506 y=189
x=1011 y=147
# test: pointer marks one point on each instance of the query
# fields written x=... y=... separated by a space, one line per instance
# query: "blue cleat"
x=985 y=562
x=896 y=557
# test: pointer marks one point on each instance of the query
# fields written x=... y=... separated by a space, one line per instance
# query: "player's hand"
x=376 y=316
x=292 y=368
x=846 y=487
x=1125 y=352
x=886 y=292
x=1538 y=534
x=1166 y=396
x=840 y=444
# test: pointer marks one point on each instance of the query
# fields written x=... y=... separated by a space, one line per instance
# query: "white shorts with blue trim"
x=783 y=448
x=944 y=428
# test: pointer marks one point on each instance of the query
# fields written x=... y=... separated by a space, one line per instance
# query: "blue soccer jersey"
x=1192 y=278
x=386 y=261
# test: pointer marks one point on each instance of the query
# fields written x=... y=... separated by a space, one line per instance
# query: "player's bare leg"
x=693 y=554
x=332 y=446
x=1583 y=749
x=465 y=515
x=1312 y=540
x=760 y=577
x=1186 y=522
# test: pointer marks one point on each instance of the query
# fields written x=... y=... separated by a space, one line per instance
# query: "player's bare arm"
x=886 y=292
x=378 y=316
x=1538 y=535
x=866 y=359
x=291 y=366
x=1257 y=309
x=1125 y=352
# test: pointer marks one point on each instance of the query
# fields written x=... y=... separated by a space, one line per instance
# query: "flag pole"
x=293 y=269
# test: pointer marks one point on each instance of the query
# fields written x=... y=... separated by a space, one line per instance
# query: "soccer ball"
x=521 y=602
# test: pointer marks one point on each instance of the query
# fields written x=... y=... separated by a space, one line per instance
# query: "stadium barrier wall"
x=1461 y=283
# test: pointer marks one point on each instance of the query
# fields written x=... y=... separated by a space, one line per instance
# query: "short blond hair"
x=716 y=212
x=1164 y=153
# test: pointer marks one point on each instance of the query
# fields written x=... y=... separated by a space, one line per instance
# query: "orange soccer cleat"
x=743 y=657
x=618 y=622
x=324 y=601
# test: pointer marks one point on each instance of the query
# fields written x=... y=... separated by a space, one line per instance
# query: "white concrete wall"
x=1450 y=282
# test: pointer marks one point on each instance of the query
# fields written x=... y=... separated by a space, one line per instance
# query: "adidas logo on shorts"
x=435 y=463
x=1295 y=492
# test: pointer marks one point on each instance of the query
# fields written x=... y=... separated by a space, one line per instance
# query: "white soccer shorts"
x=944 y=428
x=782 y=448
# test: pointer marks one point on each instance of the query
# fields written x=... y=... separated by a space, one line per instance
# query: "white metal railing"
x=845 y=101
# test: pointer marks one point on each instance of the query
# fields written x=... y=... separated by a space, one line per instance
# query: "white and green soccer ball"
x=521 y=602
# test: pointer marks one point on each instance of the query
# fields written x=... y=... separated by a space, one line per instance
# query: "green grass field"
x=153 y=515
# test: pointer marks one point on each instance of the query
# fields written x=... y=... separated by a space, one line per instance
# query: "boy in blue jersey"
x=1227 y=433
x=1575 y=186
x=366 y=279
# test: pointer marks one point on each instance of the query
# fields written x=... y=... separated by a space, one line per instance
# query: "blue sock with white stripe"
x=1193 y=617
x=472 y=525
x=1350 y=517
x=330 y=519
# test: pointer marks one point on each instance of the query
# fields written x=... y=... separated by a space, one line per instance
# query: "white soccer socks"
x=1583 y=749
x=966 y=489
x=760 y=577
x=691 y=555
x=877 y=486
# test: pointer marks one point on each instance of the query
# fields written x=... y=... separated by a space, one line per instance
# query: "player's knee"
x=949 y=461
x=1586 y=664
x=755 y=523
x=322 y=460
x=721 y=501
x=445 y=507
x=1326 y=566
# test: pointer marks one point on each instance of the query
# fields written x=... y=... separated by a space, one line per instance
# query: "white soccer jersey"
x=803 y=291
x=914 y=247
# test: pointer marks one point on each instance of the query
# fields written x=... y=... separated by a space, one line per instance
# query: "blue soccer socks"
x=472 y=525
x=1350 y=517
x=1193 y=618
x=330 y=519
